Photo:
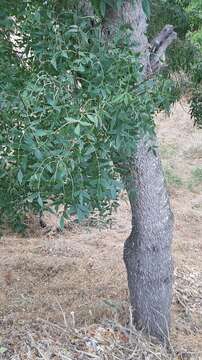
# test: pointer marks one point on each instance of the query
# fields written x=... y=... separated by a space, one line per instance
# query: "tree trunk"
x=147 y=251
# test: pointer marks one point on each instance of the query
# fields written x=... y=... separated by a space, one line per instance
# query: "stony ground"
x=51 y=281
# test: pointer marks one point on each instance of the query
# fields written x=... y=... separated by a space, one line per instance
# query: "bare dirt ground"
x=77 y=278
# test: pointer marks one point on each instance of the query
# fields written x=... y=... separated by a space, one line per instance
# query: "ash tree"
x=80 y=86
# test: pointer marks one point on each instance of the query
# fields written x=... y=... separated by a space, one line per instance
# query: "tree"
x=147 y=251
x=77 y=116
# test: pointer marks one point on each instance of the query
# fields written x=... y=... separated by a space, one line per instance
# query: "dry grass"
x=64 y=295
x=107 y=341
x=110 y=338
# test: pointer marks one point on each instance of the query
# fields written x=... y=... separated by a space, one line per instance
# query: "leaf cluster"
x=71 y=111
x=186 y=54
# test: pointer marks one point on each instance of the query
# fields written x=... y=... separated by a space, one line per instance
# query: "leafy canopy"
x=186 y=54
x=71 y=110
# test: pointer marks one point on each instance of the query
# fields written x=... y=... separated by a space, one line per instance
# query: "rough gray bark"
x=147 y=251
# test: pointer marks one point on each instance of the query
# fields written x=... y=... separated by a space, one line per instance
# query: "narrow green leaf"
x=20 y=176
x=77 y=130
x=118 y=99
x=93 y=119
x=73 y=29
x=40 y=201
x=54 y=63
x=40 y=132
x=38 y=154
x=146 y=7
x=84 y=123
x=64 y=54
x=62 y=222
x=3 y=349
x=102 y=8
x=71 y=120
x=95 y=4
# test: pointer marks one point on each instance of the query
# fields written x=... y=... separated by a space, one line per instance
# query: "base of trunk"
x=149 y=273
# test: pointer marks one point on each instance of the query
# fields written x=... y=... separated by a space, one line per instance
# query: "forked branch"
x=159 y=45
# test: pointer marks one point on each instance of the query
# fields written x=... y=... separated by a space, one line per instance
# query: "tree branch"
x=159 y=45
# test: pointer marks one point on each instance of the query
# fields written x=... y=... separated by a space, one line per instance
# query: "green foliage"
x=146 y=7
x=168 y=12
x=3 y=349
x=196 y=179
x=186 y=54
x=173 y=179
x=101 y=6
x=71 y=111
x=196 y=105
x=196 y=38
x=168 y=151
x=194 y=11
x=197 y=174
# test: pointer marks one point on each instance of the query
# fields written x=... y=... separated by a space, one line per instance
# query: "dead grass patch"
x=64 y=295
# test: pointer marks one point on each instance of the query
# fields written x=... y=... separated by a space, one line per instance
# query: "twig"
x=88 y=354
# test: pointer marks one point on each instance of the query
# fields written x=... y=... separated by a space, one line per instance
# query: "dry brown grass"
x=106 y=341
x=64 y=295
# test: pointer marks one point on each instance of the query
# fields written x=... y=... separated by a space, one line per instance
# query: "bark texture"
x=147 y=251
